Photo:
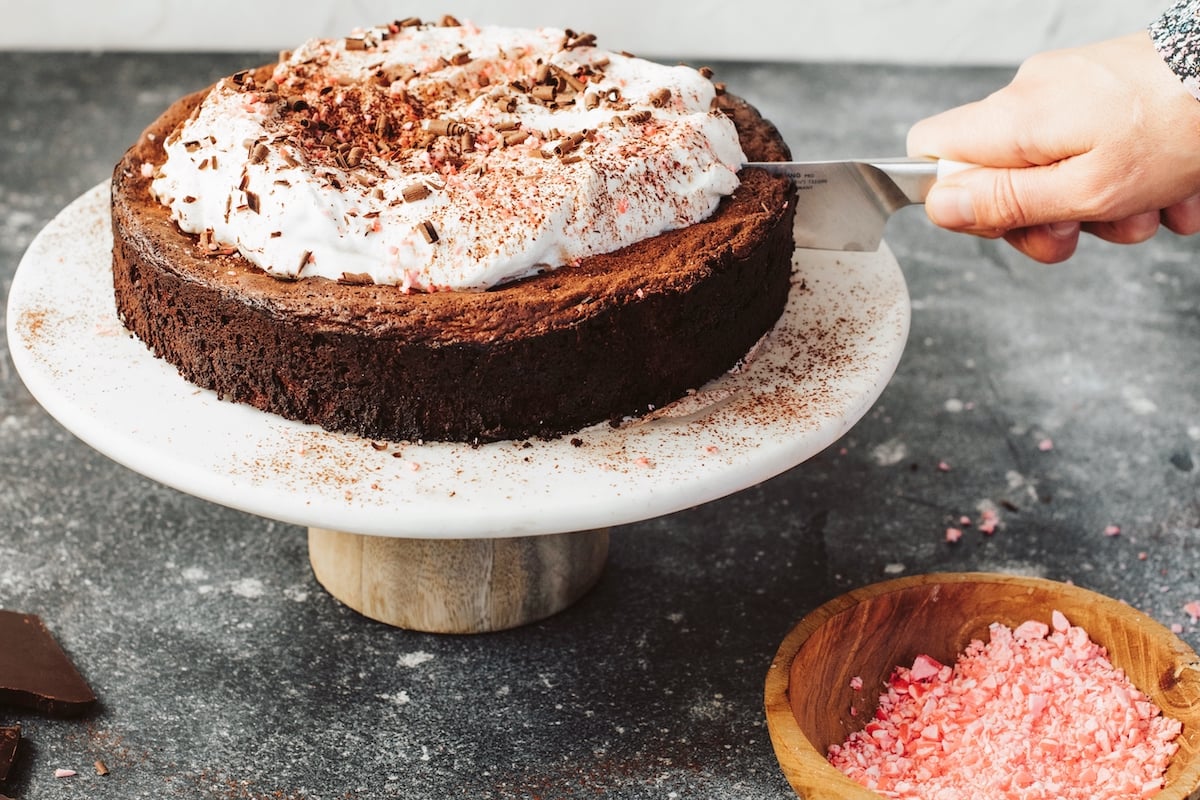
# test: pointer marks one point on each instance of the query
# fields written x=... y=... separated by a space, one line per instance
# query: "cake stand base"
x=457 y=585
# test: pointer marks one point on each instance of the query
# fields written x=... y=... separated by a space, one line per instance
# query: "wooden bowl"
x=869 y=631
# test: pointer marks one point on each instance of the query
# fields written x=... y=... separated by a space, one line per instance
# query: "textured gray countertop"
x=1063 y=397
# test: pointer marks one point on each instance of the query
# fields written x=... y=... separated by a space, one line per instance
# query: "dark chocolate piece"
x=35 y=673
x=9 y=739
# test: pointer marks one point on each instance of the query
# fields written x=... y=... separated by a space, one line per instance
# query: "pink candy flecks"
x=1036 y=713
x=1192 y=609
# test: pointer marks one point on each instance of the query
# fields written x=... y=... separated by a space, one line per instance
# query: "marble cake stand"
x=448 y=537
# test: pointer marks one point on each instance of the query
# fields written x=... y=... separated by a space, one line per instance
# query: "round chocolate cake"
x=420 y=349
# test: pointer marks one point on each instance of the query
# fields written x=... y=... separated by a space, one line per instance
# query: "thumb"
x=984 y=199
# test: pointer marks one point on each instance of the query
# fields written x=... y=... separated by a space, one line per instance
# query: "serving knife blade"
x=845 y=205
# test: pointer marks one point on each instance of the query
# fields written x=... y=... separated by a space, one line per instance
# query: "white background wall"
x=912 y=31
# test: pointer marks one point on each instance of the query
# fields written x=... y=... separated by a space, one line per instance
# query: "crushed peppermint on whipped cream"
x=447 y=157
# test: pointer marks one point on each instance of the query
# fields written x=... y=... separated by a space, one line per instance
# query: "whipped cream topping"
x=447 y=157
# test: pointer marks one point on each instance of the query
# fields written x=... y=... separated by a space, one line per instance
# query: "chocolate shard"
x=35 y=673
x=10 y=737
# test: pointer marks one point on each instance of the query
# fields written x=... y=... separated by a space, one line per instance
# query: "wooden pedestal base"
x=457 y=585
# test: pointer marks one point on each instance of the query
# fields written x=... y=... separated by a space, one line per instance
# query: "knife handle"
x=914 y=177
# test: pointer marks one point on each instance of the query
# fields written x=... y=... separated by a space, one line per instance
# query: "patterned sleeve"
x=1176 y=35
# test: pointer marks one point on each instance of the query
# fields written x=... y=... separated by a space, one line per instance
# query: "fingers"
x=1183 y=217
x=1048 y=244
x=1001 y=199
x=1130 y=230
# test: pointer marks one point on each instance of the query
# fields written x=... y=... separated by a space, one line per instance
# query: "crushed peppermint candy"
x=1192 y=609
x=988 y=522
x=1036 y=713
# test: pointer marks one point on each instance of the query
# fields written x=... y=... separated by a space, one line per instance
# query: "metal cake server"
x=845 y=205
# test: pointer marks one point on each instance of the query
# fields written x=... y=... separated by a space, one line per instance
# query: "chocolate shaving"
x=445 y=127
x=574 y=40
x=570 y=80
x=660 y=97
x=414 y=192
x=428 y=231
x=356 y=279
x=569 y=143
x=515 y=137
x=252 y=202
x=449 y=21
x=259 y=153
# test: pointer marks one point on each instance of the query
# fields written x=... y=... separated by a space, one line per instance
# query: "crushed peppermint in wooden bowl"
x=973 y=685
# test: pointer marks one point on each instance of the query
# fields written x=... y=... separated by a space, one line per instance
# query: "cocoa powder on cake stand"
x=449 y=537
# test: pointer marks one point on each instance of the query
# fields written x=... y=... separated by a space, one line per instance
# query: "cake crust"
x=611 y=336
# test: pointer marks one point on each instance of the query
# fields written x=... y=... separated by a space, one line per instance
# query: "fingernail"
x=1063 y=230
x=950 y=207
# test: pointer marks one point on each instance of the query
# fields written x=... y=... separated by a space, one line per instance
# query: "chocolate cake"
x=597 y=338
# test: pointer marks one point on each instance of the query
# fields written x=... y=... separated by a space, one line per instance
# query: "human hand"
x=1103 y=139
